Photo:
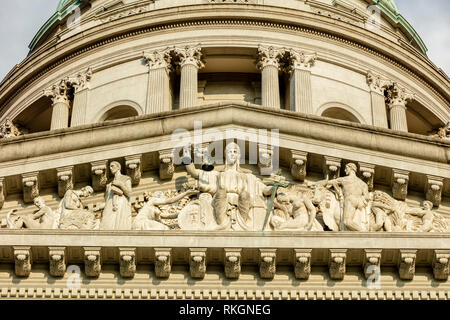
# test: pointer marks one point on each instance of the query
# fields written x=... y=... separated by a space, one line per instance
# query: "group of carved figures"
x=232 y=198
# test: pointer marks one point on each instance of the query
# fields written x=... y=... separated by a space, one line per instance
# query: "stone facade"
x=195 y=147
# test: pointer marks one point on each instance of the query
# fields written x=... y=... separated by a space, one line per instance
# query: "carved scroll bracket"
x=331 y=167
x=65 y=180
x=265 y=159
x=298 y=164
x=22 y=260
x=367 y=173
x=166 y=165
x=336 y=263
x=407 y=264
x=267 y=263
x=30 y=182
x=127 y=262
x=441 y=264
x=92 y=261
x=57 y=259
x=371 y=258
x=232 y=263
x=400 y=180
x=302 y=263
x=163 y=262
x=134 y=171
x=433 y=189
x=197 y=262
x=99 y=175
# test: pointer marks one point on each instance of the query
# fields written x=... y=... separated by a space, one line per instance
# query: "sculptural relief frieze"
x=232 y=198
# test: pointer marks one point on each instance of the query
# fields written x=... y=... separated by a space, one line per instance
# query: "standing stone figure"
x=117 y=211
x=238 y=197
x=73 y=216
x=354 y=201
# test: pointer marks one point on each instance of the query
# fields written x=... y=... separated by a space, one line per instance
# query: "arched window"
x=118 y=110
x=340 y=111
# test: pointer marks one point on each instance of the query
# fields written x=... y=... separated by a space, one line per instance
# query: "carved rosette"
x=267 y=263
x=233 y=263
x=336 y=263
x=398 y=96
x=433 y=189
x=441 y=264
x=400 y=180
x=302 y=263
x=22 y=261
x=298 y=164
x=134 y=171
x=331 y=167
x=166 y=165
x=57 y=259
x=265 y=159
x=59 y=92
x=407 y=264
x=30 y=183
x=163 y=262
x=81 y=81
x=127 y=258
x=269 y=56
x=190 y=55
x=197 y=263
x=377 y=83
x=92 y=261
x=99 y=175
x=371 y=258
x=301 y=60
x=65 y=180
x=367 y=173
x=159 y=60
x=2 y=192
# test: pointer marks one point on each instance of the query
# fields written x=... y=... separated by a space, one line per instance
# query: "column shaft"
x=60 y=115
x=270 y=87
x=301 y=91
x=398 y=118
x=158 y=91
x=80 y=103
x=189 y=86
x=379 y=114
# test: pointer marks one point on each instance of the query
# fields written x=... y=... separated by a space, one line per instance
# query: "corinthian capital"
x=190 y=55
x=301 y=60
x=59 y=92
x=377 y=83
x=158 y=59
x=398 y=95
x=81 y=81
x=269 y=56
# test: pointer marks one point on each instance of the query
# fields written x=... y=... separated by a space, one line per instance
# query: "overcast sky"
x=21 y=19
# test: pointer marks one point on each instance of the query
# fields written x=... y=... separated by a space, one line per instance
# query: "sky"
x=21 y=19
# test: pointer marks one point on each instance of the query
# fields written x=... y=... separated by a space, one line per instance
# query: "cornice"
x=75 y=46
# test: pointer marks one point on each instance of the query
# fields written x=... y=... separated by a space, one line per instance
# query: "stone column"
x=378 y=86
x=61 y=105
x=158 y=97
x=398 y=97
x=190 y=63
x=81 y=95
x=300 y=83
x=269 y=64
